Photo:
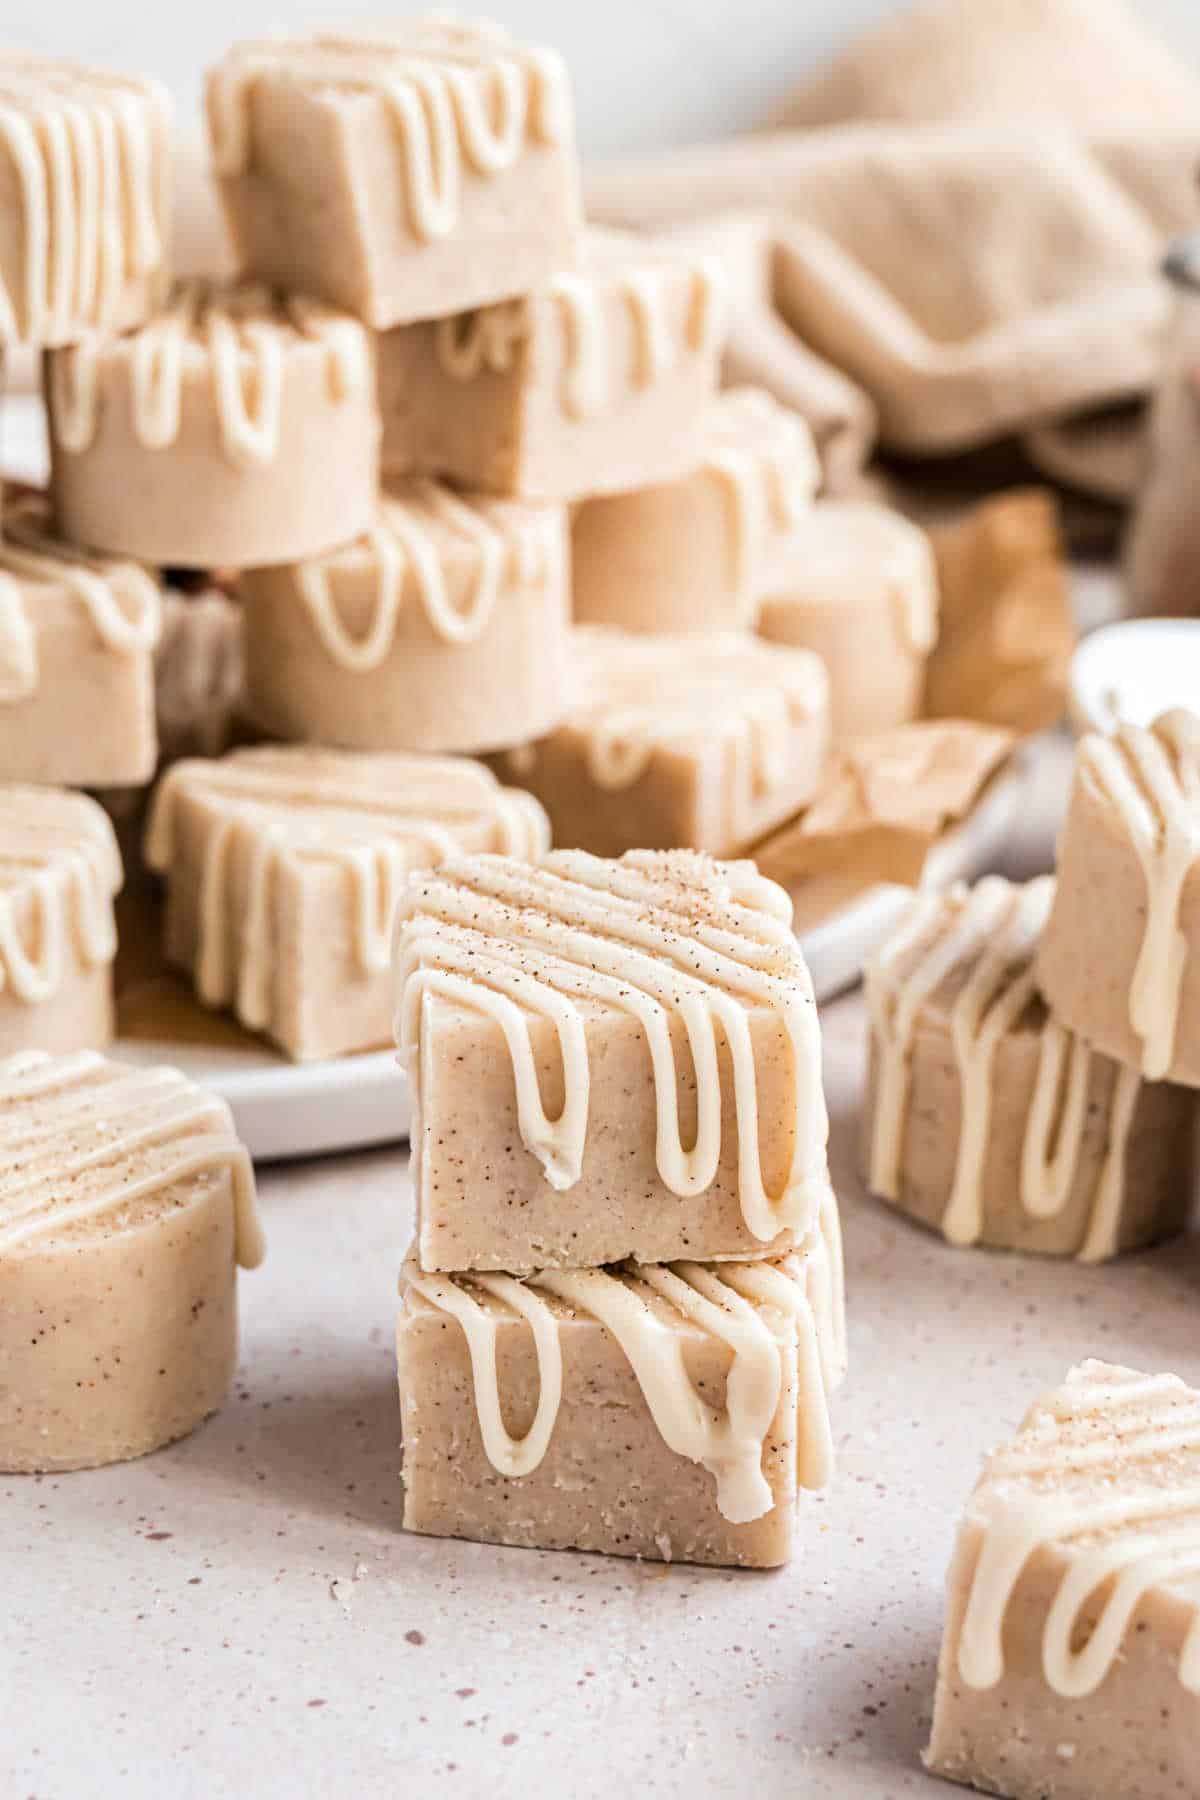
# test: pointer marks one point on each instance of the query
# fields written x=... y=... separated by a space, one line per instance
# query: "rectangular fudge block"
x=77 y=641
x=609 y=1059
x=596 y=384
x=405 y=173
x=1070 y=1665
x=671 y=1413
x=283 y=866
x=678 y=743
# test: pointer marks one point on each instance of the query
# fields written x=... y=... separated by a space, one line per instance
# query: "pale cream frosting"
x=89 y=1143
x=462 y=99
x=1152 y=780
x=89 y=151
x=764 y=457
x=989 y=934
x=375 y=817
x=659 y=936
x=59 y=871
x=121 y=600
x=239 y=338
x=728 y=1301
x=421 y=523
x=1106 y=1470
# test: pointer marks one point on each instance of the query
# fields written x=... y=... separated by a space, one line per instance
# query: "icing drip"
x=469 y=343
x=1152 y=780
x=126 y=624
x=507 y=547
x=726 y=1301
x=1087 y=1474
x=764 y=459
x=241 y=336
x=662 y=938
x=83 y=1140
x=460 y=100
x=88 y=152
x=59 y=870
x=990 y=933
x=376 y=818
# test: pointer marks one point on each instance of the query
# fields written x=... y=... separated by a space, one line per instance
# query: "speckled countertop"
x=240 y=1615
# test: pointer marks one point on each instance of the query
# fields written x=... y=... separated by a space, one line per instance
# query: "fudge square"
x=283 y=866
x=85 y=170
x=669 y=1412
x=698 y=743
x=77 y=640
x=597 y=383
x=608 y=1059
x=406 y=173
x=1070 y=1665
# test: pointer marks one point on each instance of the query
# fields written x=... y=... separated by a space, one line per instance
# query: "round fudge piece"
x=445 y=627
x=1120 y=959
x=126 y=1203
x=233 y=429
x=693 y=554
x=986 y=1118
x=857 y=584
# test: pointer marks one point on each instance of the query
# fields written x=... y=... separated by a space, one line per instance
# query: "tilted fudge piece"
x=405 y=173
x=126 y=1204
x=693 y=554
x=608 y=1059
x=857 y=584
x=60 y=871
x=85 y=156
x=1070 y=1665
x=669 y=1412
x=444 y=628
x=283 y=867
x=77 y=641
x=1120 y=958
x=596 y=384
x=986 y=1117
x=232 y=428
x=678 y=743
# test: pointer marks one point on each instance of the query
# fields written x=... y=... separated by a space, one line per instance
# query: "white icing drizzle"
x=1087 y=1474
x=661 y=937
x=88 y=151
x=83 y=1140
x=122 y=601
x=241 y=336
x=764 y=458
x=1152 y=780
x=375 y=817
x=460 y=99
x=59 y=870
x=727 y=1301
x=508 y=546
x=467 y=344
x=991 y=931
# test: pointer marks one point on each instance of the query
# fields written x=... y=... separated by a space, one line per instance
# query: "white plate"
x=285 y=1109
x=1130 y=672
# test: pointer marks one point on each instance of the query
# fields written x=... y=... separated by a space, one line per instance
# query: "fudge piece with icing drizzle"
x=699 y=743
x=608 y=1059
x=444 y=628
x=126 y=1205
x=1070 y=1665
x=60 y=871
x=1120 y=958
x=671 y=1412
x=597 y=383
x=232 y=428
x=406 y=172
x=986 y=1117
x=77 y=641
x=693 y=554
x=857 y=584
x=283 y=868
x=86 y=158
